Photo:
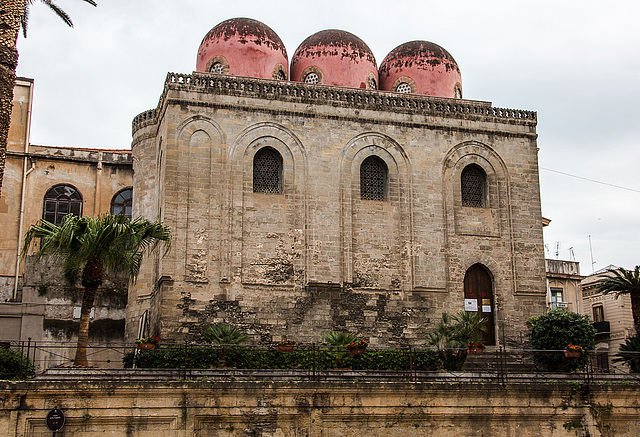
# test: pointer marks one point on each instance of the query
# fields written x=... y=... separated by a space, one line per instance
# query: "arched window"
x=267 y=171
x=122 y=202
x=59 y=201
x=474 y=186
x=373 y=179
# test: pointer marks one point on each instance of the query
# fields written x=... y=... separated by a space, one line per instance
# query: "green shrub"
x=554 y=331
x=14 y=365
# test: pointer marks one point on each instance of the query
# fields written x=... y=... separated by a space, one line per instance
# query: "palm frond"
x=24 y=23
x=620 y=281
x=339 y=338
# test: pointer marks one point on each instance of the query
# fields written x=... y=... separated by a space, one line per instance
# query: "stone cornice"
x=334 y=96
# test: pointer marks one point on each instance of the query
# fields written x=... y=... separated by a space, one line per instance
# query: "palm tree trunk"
x=92 y=277
x=635 y=310
x=83 y=331
x=11 y=13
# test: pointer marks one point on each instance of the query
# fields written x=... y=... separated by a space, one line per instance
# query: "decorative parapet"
x=334 y=96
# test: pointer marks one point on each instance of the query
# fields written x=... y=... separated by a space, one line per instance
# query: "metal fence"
x=54 y=360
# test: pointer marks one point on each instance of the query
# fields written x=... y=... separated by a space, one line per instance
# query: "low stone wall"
x=208 y=407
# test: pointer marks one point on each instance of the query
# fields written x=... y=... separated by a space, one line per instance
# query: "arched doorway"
x=478 y=297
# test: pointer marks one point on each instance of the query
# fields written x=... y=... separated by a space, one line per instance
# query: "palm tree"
x=14 y=14
x=223 y=334
x=622 y=281
x=92 y=245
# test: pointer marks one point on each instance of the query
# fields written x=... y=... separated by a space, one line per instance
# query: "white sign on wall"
x=471 y=305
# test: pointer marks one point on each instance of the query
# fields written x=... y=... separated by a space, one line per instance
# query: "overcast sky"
x=576 y=63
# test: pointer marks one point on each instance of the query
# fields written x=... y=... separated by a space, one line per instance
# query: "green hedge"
x=201 y=357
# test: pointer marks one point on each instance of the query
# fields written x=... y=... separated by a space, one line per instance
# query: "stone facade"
x=317 y=256
x=268 y=408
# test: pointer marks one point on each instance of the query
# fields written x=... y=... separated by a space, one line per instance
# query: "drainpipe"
x=23 y=190
x=96 y=200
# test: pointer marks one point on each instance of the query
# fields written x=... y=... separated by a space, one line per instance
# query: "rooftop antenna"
x=557 y=249
x=593 y=263
x=572 y=255
x=546 y=249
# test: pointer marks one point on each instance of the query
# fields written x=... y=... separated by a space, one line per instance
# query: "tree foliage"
x=622 y=281
x=551 y=332
x=93 y=245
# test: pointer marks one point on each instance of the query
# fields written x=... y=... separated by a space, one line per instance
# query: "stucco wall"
x=263 y=408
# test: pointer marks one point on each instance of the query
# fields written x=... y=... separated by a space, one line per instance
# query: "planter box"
x=358 y=351
x=145 y=346
x=285 y=347
x=475 y=350
x=572 y=354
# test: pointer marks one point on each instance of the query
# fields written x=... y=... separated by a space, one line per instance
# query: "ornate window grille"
x=122 y=202
x=474 y=186
x=267 y=171
x=403 y=88
x=312 y=78
x=217 y=68
x=59 y=201
x=373 y=179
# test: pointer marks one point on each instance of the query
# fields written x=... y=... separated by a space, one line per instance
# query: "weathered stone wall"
x=262 y=408
x=53 y=306
x=252 y=259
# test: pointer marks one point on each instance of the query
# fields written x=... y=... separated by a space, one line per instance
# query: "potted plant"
x=573 y=351
x=475 y=348
x=286 y=345
x=147 y=343
x=357 y=347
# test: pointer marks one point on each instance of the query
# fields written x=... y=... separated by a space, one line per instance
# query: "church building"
x=329 y=193
x=322 y=192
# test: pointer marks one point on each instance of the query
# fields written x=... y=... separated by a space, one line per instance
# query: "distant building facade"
x=612 y=317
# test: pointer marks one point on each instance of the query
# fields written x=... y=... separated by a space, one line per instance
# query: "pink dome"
x=421 y=67
x=335 y=57
x=243 y=47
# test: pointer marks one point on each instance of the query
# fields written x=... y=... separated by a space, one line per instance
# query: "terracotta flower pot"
x=285 y=347
x=475 y=350
x=358 y=351
x=572 y=354
x=146 y=346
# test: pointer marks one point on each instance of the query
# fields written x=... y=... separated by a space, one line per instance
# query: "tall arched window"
x=373 y=179
x=59 y=201
x=122 y=202
x=473 y=182
x=267 y=171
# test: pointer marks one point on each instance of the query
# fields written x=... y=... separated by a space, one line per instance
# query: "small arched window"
x=122 y=202
x=473 y=182
x=59 y=201
x=267 y=171
x=373 y=179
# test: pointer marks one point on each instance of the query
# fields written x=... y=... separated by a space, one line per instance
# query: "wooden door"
x=478 y=287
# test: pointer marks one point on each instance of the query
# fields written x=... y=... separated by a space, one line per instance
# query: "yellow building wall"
x=97 y=174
